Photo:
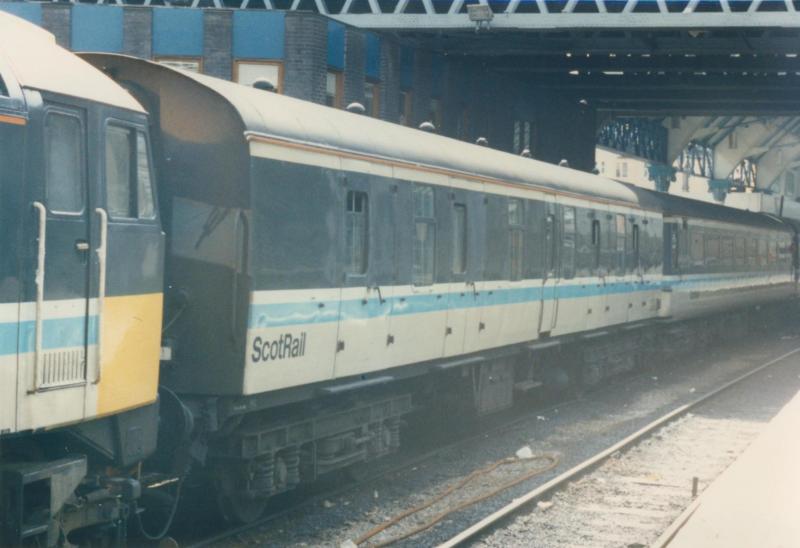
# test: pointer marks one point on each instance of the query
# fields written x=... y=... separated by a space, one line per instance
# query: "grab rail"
x=101 y=289
x=39 y=280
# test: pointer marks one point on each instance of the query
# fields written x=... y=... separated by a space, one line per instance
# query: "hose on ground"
x=553 y=461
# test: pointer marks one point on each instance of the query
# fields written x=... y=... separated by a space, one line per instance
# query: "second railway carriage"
x=80 y=292
x=718 y=258
x=321 y=262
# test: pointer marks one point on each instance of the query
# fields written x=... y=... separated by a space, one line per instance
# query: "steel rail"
x=575 y=472
x=416 y=460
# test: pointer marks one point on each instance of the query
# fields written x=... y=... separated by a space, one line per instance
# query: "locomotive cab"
x=80 y=291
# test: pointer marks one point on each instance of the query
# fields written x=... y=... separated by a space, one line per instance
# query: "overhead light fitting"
x=481 y=15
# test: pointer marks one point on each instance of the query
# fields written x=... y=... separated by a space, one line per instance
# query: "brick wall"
x=390 y=80
x=355 y=59
x=56 y=18
x=305 y=63
x=218 y=43
x=137 y=32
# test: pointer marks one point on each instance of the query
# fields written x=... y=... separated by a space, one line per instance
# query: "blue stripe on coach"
x=314 y=312
x=56 y=333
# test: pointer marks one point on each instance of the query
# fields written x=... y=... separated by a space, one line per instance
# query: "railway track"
x=406 y=464
x=604 y=501
x=245 y=534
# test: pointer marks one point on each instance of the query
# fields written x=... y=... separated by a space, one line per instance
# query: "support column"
x=565 y=129
x=218 y=43
x=57 y=18
x=137 y=31
x=390 y=81
x=355 y=60
x=306 y=56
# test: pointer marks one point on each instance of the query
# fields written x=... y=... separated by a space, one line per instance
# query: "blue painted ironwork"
x=697 y=159
x=744 y=175
x=642 y=137
x=662 y=175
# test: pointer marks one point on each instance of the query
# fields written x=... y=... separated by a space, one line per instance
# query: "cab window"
x=64 y=164
x=129 y=189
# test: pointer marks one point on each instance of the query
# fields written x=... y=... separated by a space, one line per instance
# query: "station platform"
x=756 y=501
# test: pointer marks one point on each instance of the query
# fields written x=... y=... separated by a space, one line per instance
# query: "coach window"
x=550 y=243
x=739 y=252
x=355 y=227
x=773 y=252
x=129 y=190
x=696 y=251
x=516 y=237
x=568 y=243
x=63 y=143
x=459 y=238
x=596 y=243
x=633 y=254
x=424 y=236
x=727 y=251
x=535 y=248
x=619 y=258
x=712 y=252
x=762 y=252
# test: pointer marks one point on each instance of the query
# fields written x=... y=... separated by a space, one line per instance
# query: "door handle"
x=81 y=245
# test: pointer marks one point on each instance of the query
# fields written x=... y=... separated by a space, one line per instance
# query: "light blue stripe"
x=286 y=314
x=56 y=333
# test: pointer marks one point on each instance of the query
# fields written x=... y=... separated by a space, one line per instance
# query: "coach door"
x=549 y=307
x=59 y=318
x=368 y=275
x=13 y=128
x=459 y=294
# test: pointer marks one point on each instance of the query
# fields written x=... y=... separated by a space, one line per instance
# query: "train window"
x=3 y=88
x=128 y=183
x=773 y=252
x=516 y=237
x=712 y=251
x=119 y=172
x=145 y=202
x=726 y=252
x=674 y=248
x=696 y=251
x=596 y=242
x=424 y=236
x=762 y=252
x=64 y=164
x=550 y=244
x=739 y=251
x=568 y=243
x=621 y=230
x=634 y=255
x=535 y=251
x=356 y=226
x=459 y=238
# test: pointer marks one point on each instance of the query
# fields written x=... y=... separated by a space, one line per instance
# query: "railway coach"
x=81 y=273
x=325 y=267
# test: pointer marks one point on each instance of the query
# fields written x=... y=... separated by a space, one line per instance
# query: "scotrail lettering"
x=283 y=347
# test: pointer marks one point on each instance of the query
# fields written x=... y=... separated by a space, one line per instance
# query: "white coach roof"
x=37 y=62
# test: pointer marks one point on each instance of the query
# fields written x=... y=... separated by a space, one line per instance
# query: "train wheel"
x=239 y=509
x=235 y=506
